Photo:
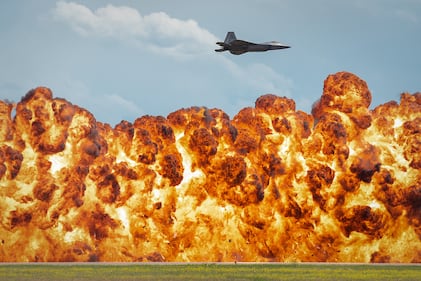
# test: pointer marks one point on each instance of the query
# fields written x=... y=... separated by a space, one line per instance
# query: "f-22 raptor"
x=238 y=47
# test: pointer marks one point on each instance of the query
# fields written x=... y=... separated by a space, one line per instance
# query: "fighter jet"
x=238 y=47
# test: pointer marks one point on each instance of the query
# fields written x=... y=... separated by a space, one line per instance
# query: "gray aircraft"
x=238 y=47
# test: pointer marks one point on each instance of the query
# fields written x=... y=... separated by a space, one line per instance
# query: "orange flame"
x=272 y=184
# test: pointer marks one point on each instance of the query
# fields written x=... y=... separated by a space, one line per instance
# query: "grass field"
x=204 y=271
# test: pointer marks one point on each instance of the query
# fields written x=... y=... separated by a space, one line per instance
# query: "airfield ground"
x=206 y=271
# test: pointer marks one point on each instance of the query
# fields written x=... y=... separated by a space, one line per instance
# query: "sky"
x=122 y=59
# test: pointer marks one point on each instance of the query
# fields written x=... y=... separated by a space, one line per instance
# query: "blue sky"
x=121 y=59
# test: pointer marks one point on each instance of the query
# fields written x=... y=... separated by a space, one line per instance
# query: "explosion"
x=342 y=184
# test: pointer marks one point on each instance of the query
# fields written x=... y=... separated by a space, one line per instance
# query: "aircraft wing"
x=238 y=52
x=242 y=43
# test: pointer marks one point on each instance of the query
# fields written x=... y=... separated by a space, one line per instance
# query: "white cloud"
x=157 y=31
x=260 y=77
x=125 y=105
x=407 y=15
x=404 y=10
x=269 y=80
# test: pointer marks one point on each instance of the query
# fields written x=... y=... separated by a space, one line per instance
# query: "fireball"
x=342 y=184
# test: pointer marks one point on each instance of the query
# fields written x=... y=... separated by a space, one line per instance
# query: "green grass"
x=212 y=271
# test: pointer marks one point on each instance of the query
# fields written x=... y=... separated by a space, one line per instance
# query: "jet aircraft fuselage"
x=238 y=47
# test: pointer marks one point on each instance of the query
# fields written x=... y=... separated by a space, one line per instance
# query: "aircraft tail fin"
x=230 y=37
